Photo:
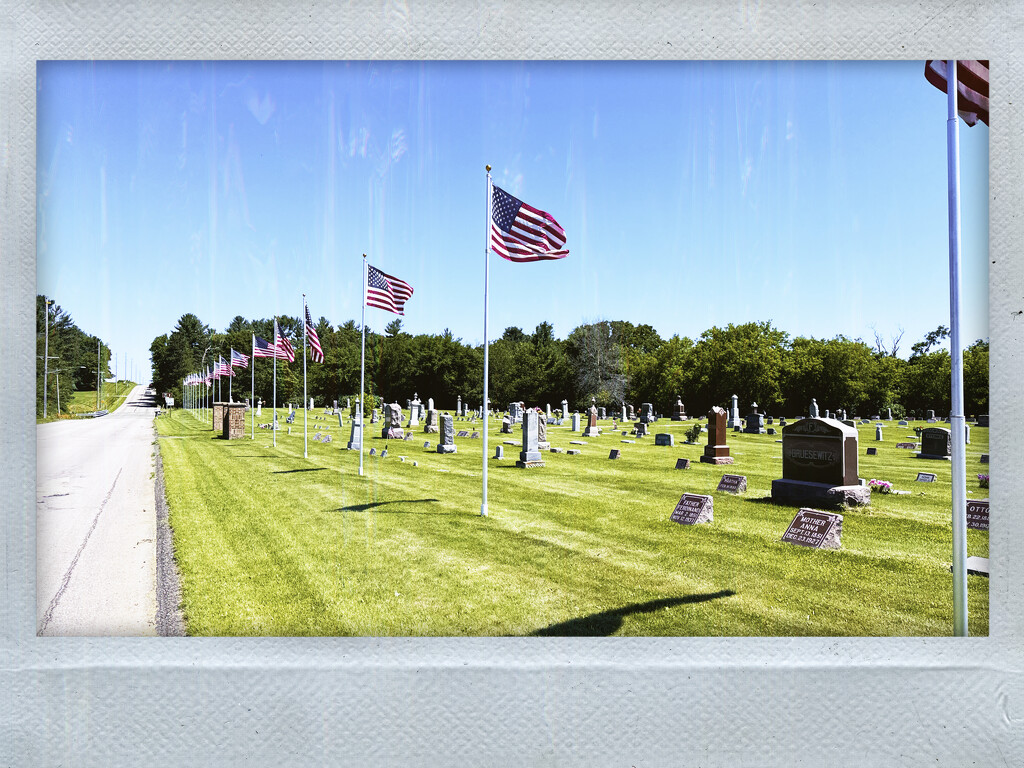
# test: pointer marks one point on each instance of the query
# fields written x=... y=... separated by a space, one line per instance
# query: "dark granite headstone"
x=614 y=453
x=716 y=451
x=819 y=464
x=936 y=443
x=977 y=514
x=872 y=452
x=812 y=528
x=732 y=483
x=499 y=452
x=664 y=438
x=682 y=463
x=984 y=458
x=982 y=421
x=694 y=509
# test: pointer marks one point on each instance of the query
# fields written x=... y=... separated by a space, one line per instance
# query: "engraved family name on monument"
x=819 y=465
x=694 y=509
x=812 y=528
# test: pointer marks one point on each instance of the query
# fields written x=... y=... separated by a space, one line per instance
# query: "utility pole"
x=46 y=351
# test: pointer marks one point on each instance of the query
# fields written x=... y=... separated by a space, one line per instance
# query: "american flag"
x=238 y=360
x=386 y=292
x=283 y=346
x=520 y=232
x=262 y=348
x=223 y=369
x=208 y=377
x=971 y=87
x=315 y=350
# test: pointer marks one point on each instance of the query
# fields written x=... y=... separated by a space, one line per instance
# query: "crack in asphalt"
x=48 y=616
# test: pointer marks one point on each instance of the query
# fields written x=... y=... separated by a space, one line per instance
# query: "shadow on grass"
x=607 y=622
x=289 y=471
x=373 y=504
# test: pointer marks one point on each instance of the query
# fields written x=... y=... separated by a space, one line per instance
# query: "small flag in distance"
x=520 y=232
x=385 y=291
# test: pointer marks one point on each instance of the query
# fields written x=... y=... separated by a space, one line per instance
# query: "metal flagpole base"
x=483 y=510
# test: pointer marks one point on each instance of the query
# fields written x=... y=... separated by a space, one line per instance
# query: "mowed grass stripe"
x=582 y=546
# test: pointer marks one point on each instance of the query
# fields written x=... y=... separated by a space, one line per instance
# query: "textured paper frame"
x=491 y=701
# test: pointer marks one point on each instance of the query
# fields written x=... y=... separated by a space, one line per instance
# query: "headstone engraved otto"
x=925 y=477
x=977 y=514
x=694 y=509
x=813 y=528
x=682 y=463
x=732 y=483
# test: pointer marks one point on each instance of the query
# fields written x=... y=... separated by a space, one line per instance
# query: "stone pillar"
x=716 y=451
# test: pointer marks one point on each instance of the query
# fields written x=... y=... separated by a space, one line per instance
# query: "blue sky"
x=810 y=194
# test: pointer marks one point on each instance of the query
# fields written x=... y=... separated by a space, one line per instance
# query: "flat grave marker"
x=732 y=483
x=614 y=454
x=682 y=463
x=984 y=458
x=925 y=477
x=815 y=529
x=977 y=514
x=693 y=509
x=462 y=433
x=909 y=446
x=872 y=452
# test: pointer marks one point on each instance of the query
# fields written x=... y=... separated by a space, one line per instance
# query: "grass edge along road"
x=271 y=544
x=84 y=401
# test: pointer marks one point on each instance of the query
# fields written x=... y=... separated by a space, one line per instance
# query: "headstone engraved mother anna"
x=813 y=528
x=819 y=465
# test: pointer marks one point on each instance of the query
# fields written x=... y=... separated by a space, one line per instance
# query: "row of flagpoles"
x=519 y=232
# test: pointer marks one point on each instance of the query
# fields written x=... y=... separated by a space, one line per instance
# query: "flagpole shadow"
x=607 y=623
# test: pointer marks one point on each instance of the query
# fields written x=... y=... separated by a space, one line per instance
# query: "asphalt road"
x=96 y=524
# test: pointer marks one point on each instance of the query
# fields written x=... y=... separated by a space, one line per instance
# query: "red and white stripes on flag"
x=316 y=352
x=238 y=360
x=520 y=232
x=385 y=291
x=262 y=348
x=223 y=369
x=971 y=87
x=283 y=346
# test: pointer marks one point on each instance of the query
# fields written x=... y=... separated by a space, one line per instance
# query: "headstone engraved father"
x=694 y=509
x=819 y=465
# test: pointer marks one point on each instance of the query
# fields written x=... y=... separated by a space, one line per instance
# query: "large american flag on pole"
x=282 y=345
x=386 y=292
x=316 y=352
x=223 y=369
x=520 y=232
x=238 y=360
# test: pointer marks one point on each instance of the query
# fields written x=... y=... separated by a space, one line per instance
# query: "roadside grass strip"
x=271 y=544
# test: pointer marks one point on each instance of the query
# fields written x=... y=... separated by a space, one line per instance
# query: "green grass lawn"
x=271 y=543
x=113 y=397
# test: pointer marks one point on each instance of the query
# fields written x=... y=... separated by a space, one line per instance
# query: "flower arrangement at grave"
x=693 y=433
x=983 y=481
x=880 y=486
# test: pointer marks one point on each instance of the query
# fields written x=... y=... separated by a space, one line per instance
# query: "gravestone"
x=447 y=443
x=614 y=453
x=529 y=457
x=734 y=412
x=310 y=404
x=977 y=514
x=984 y=458
x=694 y=509
x=888 y=414
x=755 y=422
x=632 y=413
x=431 y=425
x=565 y=409
x=682 y=463
x=373 y=451
x=414 y=411
x=259 y=407
x=813 y=410
x=904 y=423
x=925 y=477
x=623 y=415
x=573 y=452
x=592 y=429
x=506 y=424
x=575 y=422
x=374 y=416
x=771 y=430
x=819 y=465
x=716 y=451
x=641 y=429
x=828 y=414
x=664 y=438
x=392 y=422
x=849 y=422
x=340 y=422
x=602 y=414
x=647 y=413
x=982 y=421
x=458 y=407
x=462 y=433
x=732 y=483
x=936 y=443
x=929 y=414
x=542 y=433
x=499 y=452
x=426 y=443
x=474 y=436
x=430 y=403
x=910 y=446
x=872 y=452
x=878 y=434
x=547 y=413
x=816 y=529
x=679 y=410
x=967 y=434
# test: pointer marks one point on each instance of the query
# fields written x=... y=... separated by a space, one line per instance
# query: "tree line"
x=609 y=361
x=73 y=358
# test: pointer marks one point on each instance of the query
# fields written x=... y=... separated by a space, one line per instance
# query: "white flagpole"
x=305 y=402
x=956 y=416
x=252 y=403
x=231 y=375
x=273 y=424
x=362 y=371
x=487 y=264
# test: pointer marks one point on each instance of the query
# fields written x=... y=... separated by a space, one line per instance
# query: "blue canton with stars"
x=504 y=209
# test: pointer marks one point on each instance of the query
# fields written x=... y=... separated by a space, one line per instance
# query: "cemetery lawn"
x=269 y=543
